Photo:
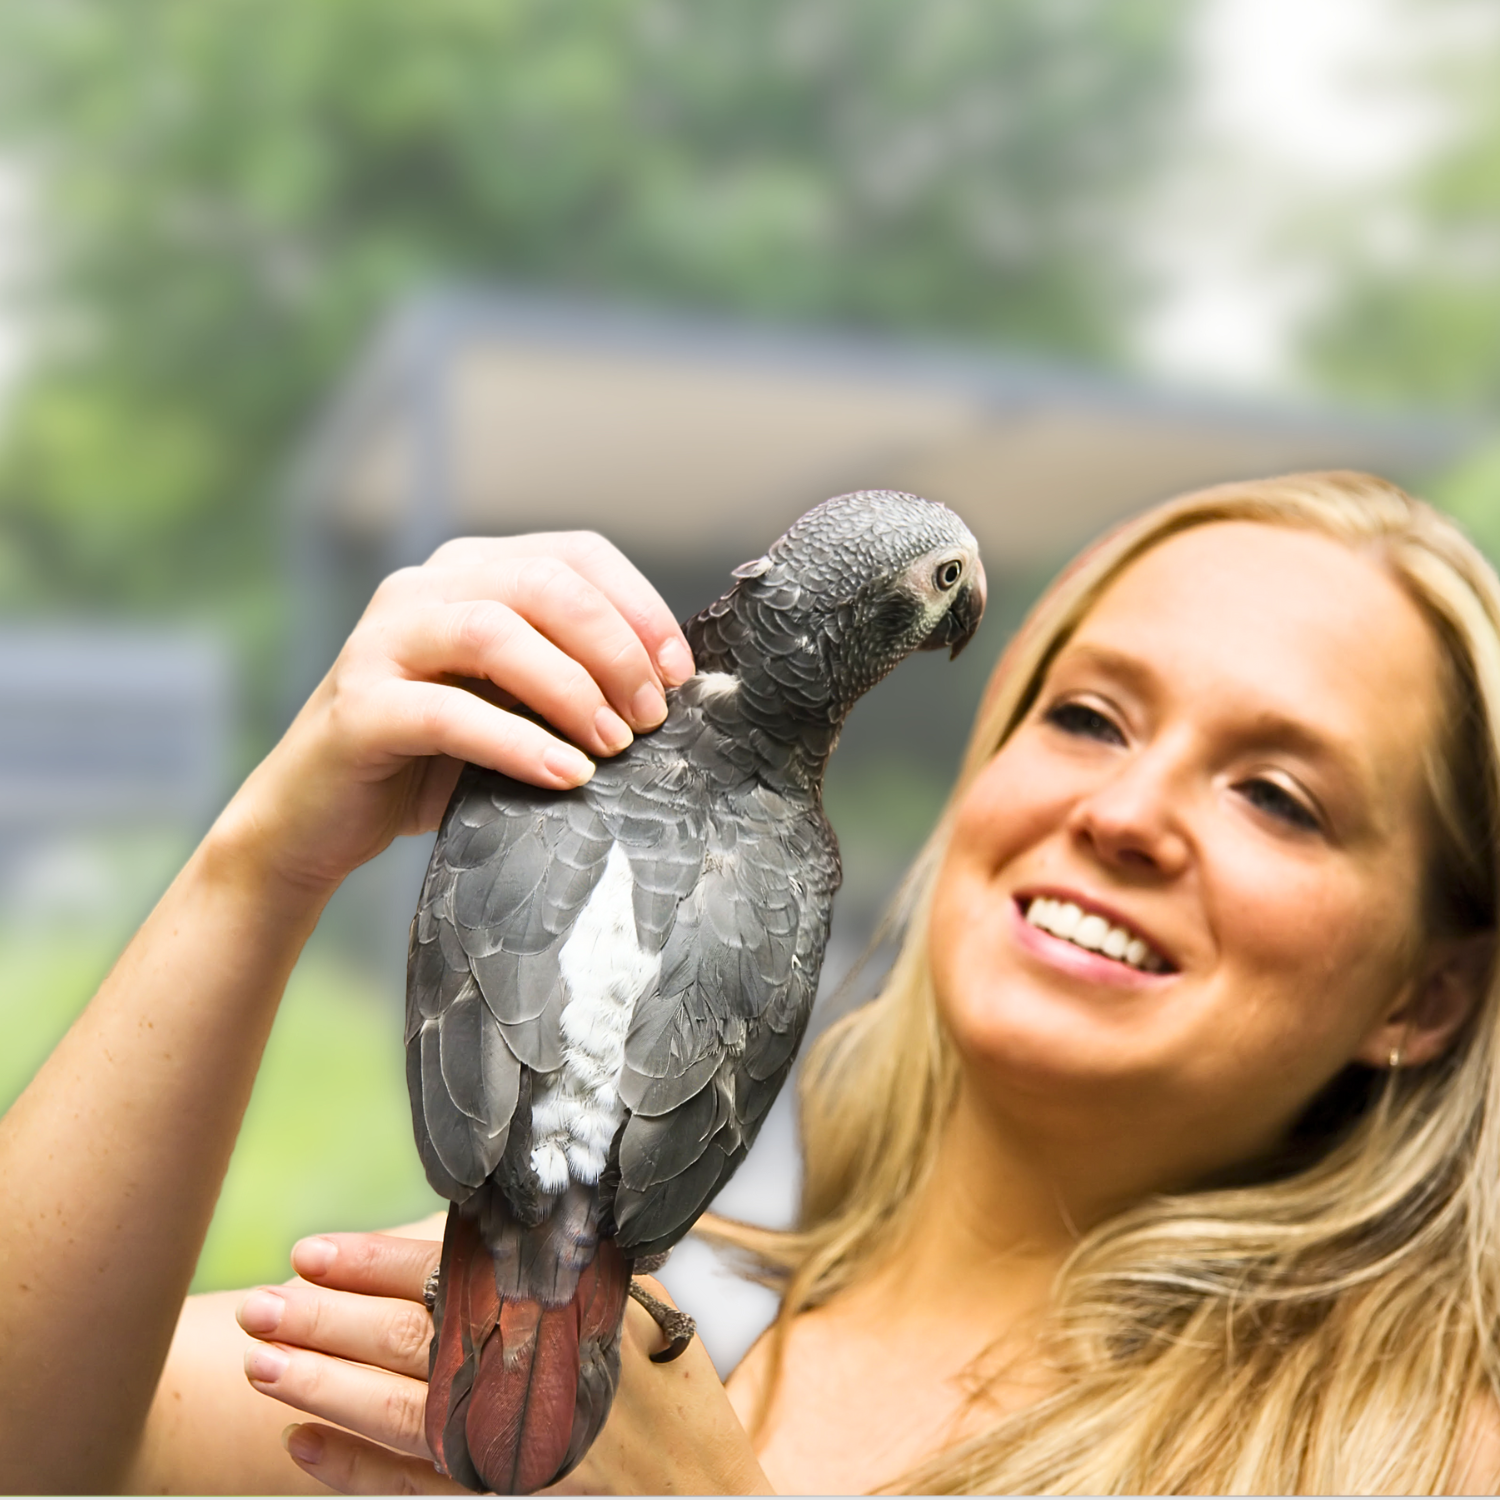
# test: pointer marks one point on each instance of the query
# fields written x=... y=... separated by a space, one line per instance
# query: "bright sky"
x=1290 y=109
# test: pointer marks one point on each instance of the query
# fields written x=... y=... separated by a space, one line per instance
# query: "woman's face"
x=1222 y=777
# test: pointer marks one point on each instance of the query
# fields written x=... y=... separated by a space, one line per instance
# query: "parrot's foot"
x=429 y=1289
x=676 y=1325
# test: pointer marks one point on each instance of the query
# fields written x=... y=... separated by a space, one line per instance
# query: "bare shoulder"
x=749 y=1381
x=859 y=1400
x=1478 y=1469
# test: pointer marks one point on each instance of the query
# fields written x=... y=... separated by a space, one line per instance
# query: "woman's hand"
x=349 y=1344
x=561 y=623
x=671 y=1429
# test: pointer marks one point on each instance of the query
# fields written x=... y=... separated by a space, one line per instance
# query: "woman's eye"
x=1279 y=803
x=1089 y=723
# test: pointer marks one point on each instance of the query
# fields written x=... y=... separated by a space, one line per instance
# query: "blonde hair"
x=1331 y=1329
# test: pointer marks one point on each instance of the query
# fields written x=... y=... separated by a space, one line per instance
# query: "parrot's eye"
x=948 y=573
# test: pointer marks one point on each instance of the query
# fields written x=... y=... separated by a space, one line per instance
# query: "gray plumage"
x=607 y=986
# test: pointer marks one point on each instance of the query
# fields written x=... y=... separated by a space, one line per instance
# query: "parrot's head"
x=859 y=583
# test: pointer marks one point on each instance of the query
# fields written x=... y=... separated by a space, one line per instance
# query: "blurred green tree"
x=1417 y=311
x=227 y=195
x=1416 y=316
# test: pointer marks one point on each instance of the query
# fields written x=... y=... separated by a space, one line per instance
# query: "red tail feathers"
x=514 y=1397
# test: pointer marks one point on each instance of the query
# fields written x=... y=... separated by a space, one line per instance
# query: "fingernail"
x=261 y=1312
x=570 y=766
x=614 y=733
x=313 y=1256
x=675 y=661
x=648 y=708
x=265 y=1364
x=305 y=1444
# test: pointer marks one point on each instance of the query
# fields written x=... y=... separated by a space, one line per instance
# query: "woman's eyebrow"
x=1263 y=729
x=1134 y=671
x=1274 y=731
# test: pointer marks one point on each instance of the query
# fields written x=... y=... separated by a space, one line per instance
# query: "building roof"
x=677 y=436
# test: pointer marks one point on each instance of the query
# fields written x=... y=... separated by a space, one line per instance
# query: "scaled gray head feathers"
x=855 y=585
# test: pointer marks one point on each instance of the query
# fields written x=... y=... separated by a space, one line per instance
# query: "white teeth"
x=1089 y=930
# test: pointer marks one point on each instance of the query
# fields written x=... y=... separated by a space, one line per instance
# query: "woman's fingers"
x=559 y=603
x=609 y=571
x=428 y=718
x=375 y=1403
x=379 y=1265
x=595 y=684
x=352 y=1466
x=517 y=616
x=352 y=1348
x=388 y=1332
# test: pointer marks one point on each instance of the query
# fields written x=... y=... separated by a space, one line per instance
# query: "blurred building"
x=105 y=732
x=692 y=443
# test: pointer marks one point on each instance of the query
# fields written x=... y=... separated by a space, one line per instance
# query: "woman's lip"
x=1088 y=904
x=1082 y=963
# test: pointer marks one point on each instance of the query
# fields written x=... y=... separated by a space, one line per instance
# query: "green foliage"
x=44 y=984
x=1417 y=315
x=326 y=1142
x=1470 y=492
x=229 y=194
x=882 y=807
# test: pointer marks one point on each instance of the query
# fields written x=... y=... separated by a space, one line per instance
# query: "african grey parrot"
x=606 y=986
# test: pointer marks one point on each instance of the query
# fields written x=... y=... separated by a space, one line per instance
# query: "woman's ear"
x=1427 y=1015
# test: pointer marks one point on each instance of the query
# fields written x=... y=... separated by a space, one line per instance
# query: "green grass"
x=46 y=978
x=882 y=808
x=326 y=1142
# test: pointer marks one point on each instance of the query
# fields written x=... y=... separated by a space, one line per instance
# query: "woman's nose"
x=1133 y=819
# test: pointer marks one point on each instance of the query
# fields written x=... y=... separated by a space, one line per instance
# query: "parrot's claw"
x=676 y=1325
x=429 y=1289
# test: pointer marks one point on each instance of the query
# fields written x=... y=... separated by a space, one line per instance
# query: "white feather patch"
x=716 y=684
x=577 y=1109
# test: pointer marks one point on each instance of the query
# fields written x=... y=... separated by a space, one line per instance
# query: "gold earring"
x=1395 y=1058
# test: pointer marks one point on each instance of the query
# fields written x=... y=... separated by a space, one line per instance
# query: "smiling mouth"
x=1096 y=934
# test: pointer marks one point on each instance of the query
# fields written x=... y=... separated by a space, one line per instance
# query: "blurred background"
x=290 y=293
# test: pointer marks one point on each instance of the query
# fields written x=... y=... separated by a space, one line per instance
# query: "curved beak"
x=956 y=629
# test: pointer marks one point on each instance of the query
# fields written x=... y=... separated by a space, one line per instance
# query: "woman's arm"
x=350 y=1346
x=209 y=1431
x=111 y=1160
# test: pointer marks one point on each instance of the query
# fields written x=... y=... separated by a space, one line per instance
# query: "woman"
x=111 y=1160
x=1168 y=1158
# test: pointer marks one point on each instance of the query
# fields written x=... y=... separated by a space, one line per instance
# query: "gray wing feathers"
x=727 y=958
x=705 y=1058
x=469 y=1084
x=509 y=873
x=737 y=905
